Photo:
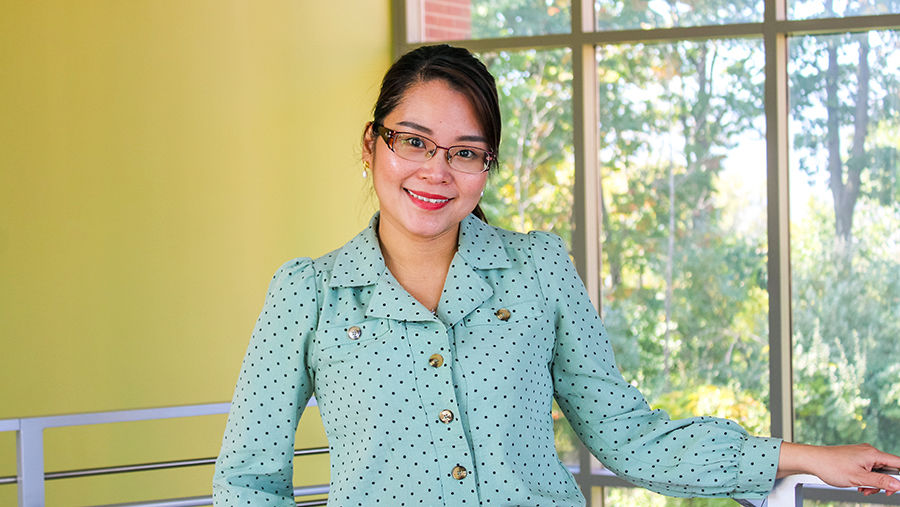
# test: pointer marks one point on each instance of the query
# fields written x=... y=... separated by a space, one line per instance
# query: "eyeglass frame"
x=388 y=135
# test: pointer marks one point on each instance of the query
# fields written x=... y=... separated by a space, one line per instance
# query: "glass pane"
x=806 y=9
x=683 y=178
x=845 y=237
x=532 y=188
x=822 y=503
x=481 y=19
x=645 y=498
x=631 y=14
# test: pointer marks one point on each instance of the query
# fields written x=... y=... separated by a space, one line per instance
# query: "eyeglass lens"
x=416 y=148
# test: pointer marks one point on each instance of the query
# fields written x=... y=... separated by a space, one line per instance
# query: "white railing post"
x=30 y=451
x=788 y=492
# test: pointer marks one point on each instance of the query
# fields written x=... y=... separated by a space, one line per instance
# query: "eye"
x=466 y=154
x=412 y=141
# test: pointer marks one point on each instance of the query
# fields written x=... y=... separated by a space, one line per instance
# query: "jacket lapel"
x=391 y=301
x=360 y=263
x=465 y=288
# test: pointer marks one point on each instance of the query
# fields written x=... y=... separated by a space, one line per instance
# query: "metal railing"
x=793 y=489
x=31 y=475
x=788 y=492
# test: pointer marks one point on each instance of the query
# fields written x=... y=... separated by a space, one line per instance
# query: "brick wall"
x=447 y=19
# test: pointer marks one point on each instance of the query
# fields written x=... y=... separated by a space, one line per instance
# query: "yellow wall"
x=159 y=159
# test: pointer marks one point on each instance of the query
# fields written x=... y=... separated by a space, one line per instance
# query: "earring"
x=365 y=170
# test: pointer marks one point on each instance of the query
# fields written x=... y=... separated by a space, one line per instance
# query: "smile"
x=431 y=200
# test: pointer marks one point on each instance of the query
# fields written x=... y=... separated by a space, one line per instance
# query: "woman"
x=435 y=344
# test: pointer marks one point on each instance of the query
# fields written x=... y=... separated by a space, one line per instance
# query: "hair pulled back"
x=457 y=67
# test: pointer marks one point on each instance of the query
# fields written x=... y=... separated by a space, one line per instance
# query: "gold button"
x=460 y=472
x=436 y=360
x=446 y=416
x=354 y=333
x=502 y=314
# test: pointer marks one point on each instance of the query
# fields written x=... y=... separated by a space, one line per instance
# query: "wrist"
x=797 y=459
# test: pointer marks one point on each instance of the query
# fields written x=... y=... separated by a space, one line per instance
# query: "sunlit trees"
x=684 y=240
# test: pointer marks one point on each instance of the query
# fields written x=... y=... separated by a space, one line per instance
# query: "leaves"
x=684 y=252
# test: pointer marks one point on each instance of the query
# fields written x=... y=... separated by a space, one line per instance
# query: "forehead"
x=439 y=107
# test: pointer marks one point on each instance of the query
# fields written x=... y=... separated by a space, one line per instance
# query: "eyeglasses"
x=418 y=148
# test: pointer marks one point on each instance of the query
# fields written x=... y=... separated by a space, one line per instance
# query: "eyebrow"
x=430 y=132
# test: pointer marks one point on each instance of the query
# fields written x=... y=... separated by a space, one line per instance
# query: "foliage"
x=532 y=190
x=717 y=401
x=646 y=498
x=624 y=14
x=493 y=18
x=684 y=247
x=845 y=333
x=684 y=294
x=840 y=96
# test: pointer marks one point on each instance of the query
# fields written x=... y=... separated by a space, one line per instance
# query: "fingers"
x=876 y=481
x=890 y=460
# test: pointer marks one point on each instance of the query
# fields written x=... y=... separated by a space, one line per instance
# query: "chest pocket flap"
x=499 y=314
x=335 y=343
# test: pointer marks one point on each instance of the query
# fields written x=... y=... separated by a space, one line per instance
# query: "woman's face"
x=426 y=200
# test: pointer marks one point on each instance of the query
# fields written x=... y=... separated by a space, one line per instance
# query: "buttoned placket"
x=439 y=383
x=435 y=386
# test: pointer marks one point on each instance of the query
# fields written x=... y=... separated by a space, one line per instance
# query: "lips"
x=427 y=201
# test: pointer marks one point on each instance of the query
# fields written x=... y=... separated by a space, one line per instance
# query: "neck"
x=419 y=264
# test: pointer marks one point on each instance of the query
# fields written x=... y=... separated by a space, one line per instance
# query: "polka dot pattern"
x=514 y=328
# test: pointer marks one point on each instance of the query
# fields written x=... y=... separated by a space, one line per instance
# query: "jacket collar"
x=480 y=245
x=360 y=263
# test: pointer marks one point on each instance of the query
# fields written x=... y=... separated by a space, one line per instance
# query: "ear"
x=368 y=144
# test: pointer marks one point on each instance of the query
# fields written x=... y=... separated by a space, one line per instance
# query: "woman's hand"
x=841 y=466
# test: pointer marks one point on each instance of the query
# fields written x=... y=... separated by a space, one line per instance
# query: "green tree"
x=835 y=74
x=532 y=190
x=624 y=14
x=503 y=18
x=845 y=266
x=681 y=285
x=684 y=265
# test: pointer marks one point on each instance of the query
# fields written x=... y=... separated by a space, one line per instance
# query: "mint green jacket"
x=454 y=408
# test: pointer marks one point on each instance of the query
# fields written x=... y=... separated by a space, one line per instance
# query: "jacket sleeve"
x=255 y=464
x=700 y=456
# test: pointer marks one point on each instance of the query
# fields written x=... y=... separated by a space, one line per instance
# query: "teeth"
x=426 y=199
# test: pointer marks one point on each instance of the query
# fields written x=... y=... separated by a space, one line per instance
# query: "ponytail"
x=478 y=212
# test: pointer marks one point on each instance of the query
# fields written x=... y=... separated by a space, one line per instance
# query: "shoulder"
x=325 y=263
x=297 y=272
x=543 y=241
x=475 y=233
x=535 y=244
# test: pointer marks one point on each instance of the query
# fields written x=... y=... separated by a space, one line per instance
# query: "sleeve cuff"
x=758 y=466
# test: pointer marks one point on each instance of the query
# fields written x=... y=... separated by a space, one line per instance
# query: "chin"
x=431 y=226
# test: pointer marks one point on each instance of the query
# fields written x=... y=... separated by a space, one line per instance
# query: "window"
x=845 y=242
x=658 y=138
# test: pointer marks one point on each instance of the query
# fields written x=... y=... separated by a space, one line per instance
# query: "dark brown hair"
x=458 y=68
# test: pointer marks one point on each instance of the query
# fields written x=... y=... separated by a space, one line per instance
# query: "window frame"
x=774 y=30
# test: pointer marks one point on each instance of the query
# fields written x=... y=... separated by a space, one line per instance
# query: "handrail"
x=30 y=445
x=207 y=500
x=141 y=467
x=788 y=492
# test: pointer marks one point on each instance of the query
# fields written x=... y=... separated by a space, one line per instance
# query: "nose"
x=437 y=167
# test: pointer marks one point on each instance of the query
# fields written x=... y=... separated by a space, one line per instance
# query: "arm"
x=255 y=465
x=841 y=466
x=700 y=456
